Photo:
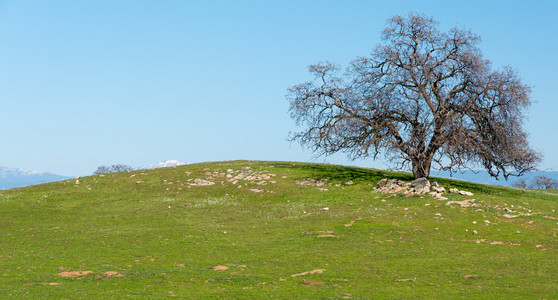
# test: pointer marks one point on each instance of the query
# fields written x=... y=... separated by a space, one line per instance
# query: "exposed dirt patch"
x=478 y=241
x=464 y=203
x=352 y=222
x=220 y=268
x=326 y=235
x=317 y=271
x=74 y=274
x=318 y=232
x=312 y=282
x=42 y=283
x=111 y=274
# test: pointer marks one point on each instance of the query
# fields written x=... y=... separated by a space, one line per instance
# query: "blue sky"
x=90 y=83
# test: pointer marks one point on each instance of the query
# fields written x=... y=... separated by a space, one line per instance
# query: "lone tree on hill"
x=112 y=169
x=422 y=97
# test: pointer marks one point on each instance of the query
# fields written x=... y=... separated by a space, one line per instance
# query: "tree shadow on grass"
x=342 y=174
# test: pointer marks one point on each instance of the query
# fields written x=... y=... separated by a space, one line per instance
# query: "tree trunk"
x=421 y=167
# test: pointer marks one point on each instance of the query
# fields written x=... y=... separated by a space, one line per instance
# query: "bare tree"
x=120 y=168
x=112 y=169
x=544 y=182
x=422 y=97
x=101 y=170
x=520 y=183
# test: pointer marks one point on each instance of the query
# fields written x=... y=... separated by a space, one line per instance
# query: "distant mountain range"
x=13 y=178
x=484 y=178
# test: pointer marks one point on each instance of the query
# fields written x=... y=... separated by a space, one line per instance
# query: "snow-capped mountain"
x=164 y=164
x=12 y=177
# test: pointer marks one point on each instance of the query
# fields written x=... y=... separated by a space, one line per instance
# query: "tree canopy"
x=423 y=96
x=112 y=169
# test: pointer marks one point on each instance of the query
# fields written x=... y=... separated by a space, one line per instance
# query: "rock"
x=382 y=183
x=421 y=185
x=417 y=187
x=465 y=193
x=313 y=182
x=434 y=186
x=454 y=191
x=386 y=185
x=349 y=182
x=398 y=189
x=420 y=182
x=203 y=182
x=464 y=203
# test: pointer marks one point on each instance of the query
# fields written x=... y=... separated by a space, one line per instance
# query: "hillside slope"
x=245 y=229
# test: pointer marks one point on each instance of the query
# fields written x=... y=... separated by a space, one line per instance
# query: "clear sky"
x=89 y=83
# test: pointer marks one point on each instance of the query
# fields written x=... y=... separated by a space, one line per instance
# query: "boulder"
x=382 y=183
x=465 y=193
x=434 y=186
x=421 y=185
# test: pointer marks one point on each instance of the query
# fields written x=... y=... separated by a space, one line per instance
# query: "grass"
x=163 y=233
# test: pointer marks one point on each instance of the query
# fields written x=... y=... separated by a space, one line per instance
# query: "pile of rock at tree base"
x=419 y=186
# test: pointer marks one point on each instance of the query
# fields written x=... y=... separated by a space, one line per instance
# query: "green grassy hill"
x=285 y=230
